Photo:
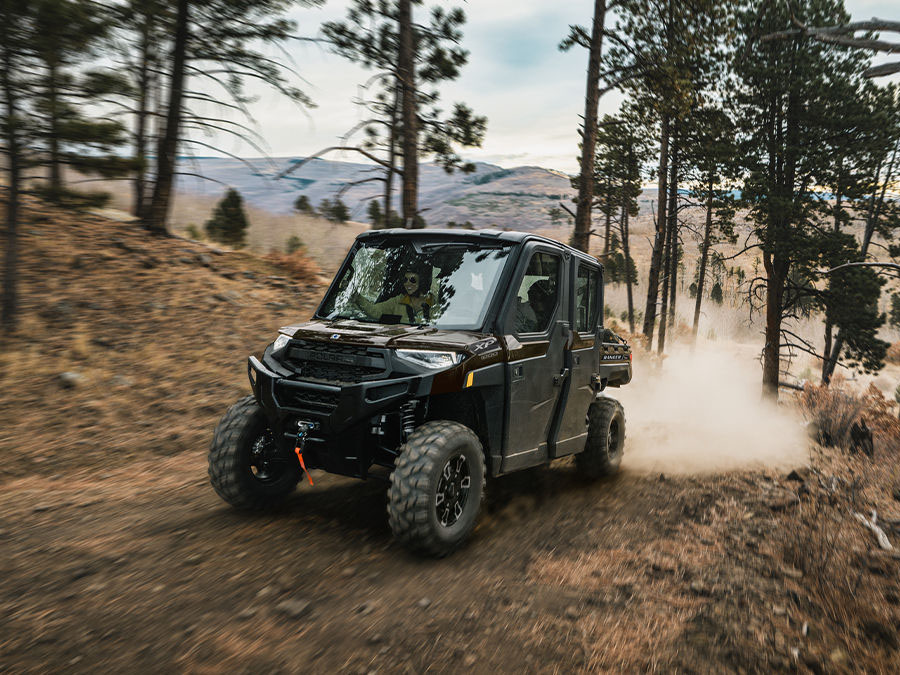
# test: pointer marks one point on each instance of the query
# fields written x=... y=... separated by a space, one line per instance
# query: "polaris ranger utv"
x=436 y=358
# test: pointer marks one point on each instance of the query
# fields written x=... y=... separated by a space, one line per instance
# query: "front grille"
x=328 y=362
x=308 y=399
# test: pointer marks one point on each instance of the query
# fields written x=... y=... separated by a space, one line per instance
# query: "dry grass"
x=834 y=409
x=298 y=266
x=893 y=353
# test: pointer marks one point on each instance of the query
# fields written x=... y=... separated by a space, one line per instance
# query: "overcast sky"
x=531 y=93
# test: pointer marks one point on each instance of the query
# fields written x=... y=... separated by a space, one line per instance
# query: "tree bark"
x=656 y=255
x=392 y=162
x=409 y=115
x=623 y=230
x=704 y=257
x=607 y=232
x=9 y=305
x=141 y=114
x=167 y=148
x=828 y=325
x=581 y=235
x=669 y=246
x=776 y=273
x=673 y=222
x=53 y=140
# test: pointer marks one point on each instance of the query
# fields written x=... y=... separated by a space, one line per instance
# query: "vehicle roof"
x=512 y=236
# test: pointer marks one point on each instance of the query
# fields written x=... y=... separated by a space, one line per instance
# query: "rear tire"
x=245 y=467
x=436 y=488
x=605 y=442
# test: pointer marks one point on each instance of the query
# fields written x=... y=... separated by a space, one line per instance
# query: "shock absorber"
x=408 y=418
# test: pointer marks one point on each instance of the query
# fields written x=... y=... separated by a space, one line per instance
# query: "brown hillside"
x=118 y=557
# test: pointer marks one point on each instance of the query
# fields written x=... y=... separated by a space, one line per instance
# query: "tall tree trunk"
x=607 y=232
x=656 y=255
x=53 y=140
x=836 y=228
x=623 y=230
x=141 y=114
x=704 y=256
x=9 y=305
x=673 y=240
x=392 y=163
x=409 y=115
x=582 y=234
x=167 y=148
x=669 y=246
x=776 y=273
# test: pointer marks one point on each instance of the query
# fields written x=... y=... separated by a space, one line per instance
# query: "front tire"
x=605 y=442
x=245 y=466
x=436 y=488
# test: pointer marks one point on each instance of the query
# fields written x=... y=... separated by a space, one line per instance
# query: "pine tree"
x=228 y=223
x=403 y=117
x=66 y=34
x=302 y=205
x=18 y=63
x=895 y=310
x=594 y=45
x=376 y=217
x=217 y=43
x=664 y=55
x=787 y=109
x=339 y=212
x=711 y=173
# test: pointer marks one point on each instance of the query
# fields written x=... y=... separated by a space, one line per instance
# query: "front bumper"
x=343 y=440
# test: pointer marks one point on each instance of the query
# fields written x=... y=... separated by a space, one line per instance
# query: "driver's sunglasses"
x=410 y=279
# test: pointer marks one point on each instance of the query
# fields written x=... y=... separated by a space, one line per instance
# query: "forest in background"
x=770 y=112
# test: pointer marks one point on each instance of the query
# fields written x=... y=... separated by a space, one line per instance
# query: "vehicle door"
x=536 y=333
x=584 y=355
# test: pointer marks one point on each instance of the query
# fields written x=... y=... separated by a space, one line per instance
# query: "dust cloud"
x=702 y=412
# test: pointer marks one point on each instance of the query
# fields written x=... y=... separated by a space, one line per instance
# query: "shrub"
x=302 y=205
x=293 y=244
x=298 y=266
x=228 y=224
x=193 y=232
x=834 y=409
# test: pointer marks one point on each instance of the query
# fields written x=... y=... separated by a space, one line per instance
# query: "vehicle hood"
x=347 y=331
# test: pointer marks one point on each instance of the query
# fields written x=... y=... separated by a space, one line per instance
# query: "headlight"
x=280 y=342
x=430 y=359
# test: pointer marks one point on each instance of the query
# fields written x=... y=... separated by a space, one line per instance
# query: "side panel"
x=536 y=366
x=584 y=356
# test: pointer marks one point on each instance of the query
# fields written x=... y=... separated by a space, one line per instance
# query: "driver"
x=533 y=316
x=413 y=306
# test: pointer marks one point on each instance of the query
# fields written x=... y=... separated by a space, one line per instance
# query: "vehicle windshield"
x=447 y=285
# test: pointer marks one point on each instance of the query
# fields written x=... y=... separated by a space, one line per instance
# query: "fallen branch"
x=883 y=541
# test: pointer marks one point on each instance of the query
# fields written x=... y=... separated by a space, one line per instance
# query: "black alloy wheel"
x=453 y=490
x=436 y=488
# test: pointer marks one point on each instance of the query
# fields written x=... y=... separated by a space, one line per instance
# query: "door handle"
x=559 y=379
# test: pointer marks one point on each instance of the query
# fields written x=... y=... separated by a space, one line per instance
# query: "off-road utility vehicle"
x=436 y=357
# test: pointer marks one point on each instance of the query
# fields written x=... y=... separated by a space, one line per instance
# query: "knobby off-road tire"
x=427 y=482
x=245 y=468
x=605 y=440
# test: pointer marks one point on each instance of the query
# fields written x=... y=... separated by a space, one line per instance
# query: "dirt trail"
x=143 y=568
x=117 y=556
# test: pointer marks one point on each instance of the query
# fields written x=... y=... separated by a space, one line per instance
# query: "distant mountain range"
x=491 y=196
